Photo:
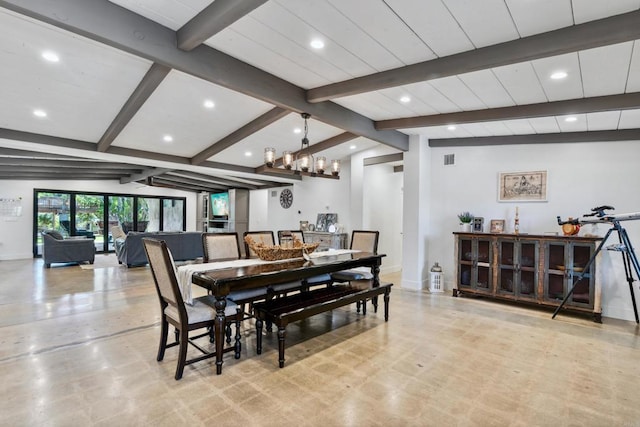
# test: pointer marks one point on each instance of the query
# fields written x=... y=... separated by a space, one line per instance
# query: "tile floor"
x=78 y=348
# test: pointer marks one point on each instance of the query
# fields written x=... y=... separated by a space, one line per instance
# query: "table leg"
x=376 y=283
x=219 y=329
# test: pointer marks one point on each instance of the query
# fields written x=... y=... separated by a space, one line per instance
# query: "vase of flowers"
x=466 y=218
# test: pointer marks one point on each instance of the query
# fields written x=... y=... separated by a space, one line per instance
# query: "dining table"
x=221 y=278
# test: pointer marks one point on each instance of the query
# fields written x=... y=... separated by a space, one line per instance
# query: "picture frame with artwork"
x=522 y=186
x=497 y=226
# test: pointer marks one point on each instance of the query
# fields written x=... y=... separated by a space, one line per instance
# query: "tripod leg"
x=628 y=259
x=587 y=268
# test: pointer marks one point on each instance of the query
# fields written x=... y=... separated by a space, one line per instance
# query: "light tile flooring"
x=78 y=348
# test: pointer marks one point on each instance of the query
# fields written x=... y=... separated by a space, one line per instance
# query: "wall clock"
x=286 y=198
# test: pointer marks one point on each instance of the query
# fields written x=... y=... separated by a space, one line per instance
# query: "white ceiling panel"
x=486 y=86
x=633 y=83
x=589 y=10
x=629 y=119
x=338 y=30
x=520 y=126
x=522 y=83
x=380 y=22
x=430 y=96
x=579 y=125
x=486 y=22
x=343 y=152
x=434 y=24
x=81 y=93
x=535 y=17
x=473 y=129
x=170 y=13
x=567 y=88
x=606 y=120
x=498 y=128
x=458 y=93
x=605 y=69
x=544 y=124
x=371 y=104
x=176 y=108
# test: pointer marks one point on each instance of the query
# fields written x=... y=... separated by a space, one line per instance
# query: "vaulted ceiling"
x=126 y=98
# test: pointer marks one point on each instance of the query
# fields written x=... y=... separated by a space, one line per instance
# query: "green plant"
x=465 y=217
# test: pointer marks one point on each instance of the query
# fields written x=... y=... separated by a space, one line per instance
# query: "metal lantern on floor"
x=435 y=282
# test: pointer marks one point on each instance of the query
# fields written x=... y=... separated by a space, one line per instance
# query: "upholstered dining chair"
x=184 y=317
x=225 y=246
x=267 y=238
x=365 y=241
x=322 y=279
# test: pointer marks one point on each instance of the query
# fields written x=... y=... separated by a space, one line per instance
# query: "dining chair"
x=365 y=241
x=225 y=246
x=267 y=238
x=322 y=279
x=184 y=317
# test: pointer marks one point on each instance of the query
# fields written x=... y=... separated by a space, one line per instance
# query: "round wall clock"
x=286 y=198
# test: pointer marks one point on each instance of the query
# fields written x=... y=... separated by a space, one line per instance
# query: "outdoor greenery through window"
x=93 y=215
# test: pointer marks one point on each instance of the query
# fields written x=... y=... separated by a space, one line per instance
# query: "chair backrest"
x=298 y=234
x=53 y=234
x=118 y=233
x=265 y=237
x=365 y=241
x=164 y=275
x=218 y=246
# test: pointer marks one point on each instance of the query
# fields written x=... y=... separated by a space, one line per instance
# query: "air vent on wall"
x=449 y=159
x=274 y=193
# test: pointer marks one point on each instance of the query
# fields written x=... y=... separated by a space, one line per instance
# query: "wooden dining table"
x=220 y=282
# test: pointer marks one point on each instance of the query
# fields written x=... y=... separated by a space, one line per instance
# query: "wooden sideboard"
x=532 y=269
x=326 y=240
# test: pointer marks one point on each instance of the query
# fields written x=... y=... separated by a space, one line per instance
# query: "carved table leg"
x=282 y=333
x=386 y=304
x=219 y=331
x=258 y=336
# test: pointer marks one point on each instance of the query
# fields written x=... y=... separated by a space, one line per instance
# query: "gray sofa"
x=184 y=245
x=57 y=249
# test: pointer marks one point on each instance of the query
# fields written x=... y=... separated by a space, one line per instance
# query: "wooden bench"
x=281 y=311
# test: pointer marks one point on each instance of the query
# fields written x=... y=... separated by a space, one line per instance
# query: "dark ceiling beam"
x=143 y=175
x=603 y=32
x=115 y=26
x=34 y=154
x=540 y=138
x=30 y=162
x=313 y=149
x=213 y=19
x=399 y=168
x=213 y=180
x=192 y=182
x=149 y=83
x=54 y=170
x=387 y=158
x=252 y=127
x=628 y=101
x=156 y=181
x=227 y=179
x=52 y=177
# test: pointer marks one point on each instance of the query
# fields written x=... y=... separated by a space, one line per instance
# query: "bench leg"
x=258 y=336
x=282 y=333
x=358 y=306
x=238 y=345
x=374 y=300
x=364 y=307
x=386 y=304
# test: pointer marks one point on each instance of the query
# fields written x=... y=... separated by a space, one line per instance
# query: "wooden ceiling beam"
x=603 y=32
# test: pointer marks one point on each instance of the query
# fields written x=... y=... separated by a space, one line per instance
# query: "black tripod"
x=629 y=257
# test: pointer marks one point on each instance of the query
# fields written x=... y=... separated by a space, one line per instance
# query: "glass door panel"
x=120 y=214
x=172 y=215
x=52 y=213
x=149 y=214
x=89 y=215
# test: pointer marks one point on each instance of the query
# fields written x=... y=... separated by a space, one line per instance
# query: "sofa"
x=57 y=249
x=184 y=245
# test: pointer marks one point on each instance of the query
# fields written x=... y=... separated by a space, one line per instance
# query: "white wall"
x=16 y=234
x=580 y=177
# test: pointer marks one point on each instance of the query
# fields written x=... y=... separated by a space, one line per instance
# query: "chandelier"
x=303 y=162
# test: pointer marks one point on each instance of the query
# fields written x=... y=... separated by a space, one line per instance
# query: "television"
x=220 y=206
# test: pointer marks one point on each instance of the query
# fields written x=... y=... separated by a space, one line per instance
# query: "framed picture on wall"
x=497 y=226
x=522 y=186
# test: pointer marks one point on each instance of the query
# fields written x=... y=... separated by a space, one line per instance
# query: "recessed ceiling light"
x=452 y=127
x=559 y=75
x=50 y=56
x=248 y=153
x=571 y=119
x=167 y=138
x=405 y=99
x=39 y=113
x=209 y=103
x=297 y=130
x=352 y=147
x=317 y=44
